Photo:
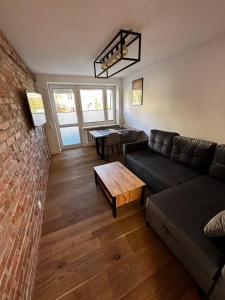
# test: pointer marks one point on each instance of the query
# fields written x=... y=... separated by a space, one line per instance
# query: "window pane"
x=92 y=105
x=70 y=135
x=65 y=106
x=109 y=94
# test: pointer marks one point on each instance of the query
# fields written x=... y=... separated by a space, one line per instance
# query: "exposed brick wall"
x=23 y=177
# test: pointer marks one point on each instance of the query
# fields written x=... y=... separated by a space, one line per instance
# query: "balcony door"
x=67 y=117
x=78 y=106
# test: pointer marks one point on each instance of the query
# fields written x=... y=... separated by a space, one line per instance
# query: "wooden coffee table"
x=119 y=184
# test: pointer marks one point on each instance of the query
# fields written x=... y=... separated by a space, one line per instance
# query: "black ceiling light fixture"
x=123 y=51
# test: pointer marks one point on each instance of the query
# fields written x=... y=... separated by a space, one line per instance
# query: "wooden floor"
x=87 y=254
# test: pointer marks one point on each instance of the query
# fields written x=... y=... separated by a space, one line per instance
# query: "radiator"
x=88 y=139
x=91 y=139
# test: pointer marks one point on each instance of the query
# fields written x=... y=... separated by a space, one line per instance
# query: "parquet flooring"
x=87 y=254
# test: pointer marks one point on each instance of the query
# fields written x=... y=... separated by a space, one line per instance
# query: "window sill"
x=98 y=126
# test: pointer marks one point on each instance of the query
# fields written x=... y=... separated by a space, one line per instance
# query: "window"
x=92 y=105
x=110 y=104
x=97 y=105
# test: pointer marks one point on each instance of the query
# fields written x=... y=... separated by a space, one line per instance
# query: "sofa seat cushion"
x=158 y=171
x=184 y=210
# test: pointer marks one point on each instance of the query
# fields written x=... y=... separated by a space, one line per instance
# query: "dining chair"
x=130 y=137
x=142 y=136
x=113 y=144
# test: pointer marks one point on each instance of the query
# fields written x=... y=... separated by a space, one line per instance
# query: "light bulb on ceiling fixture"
x=114 y=58
x=125 y=51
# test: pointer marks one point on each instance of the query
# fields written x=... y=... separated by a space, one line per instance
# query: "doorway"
x=81 y=106
x=65 y=104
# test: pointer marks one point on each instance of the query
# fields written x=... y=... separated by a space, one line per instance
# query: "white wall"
x=41 y=83
x=185 y=93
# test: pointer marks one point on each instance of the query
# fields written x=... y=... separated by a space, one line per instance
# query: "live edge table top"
x=118 y=179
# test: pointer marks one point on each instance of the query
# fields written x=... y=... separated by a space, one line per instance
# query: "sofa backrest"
x=194 y=153
x=217 y=168
x=162 y=141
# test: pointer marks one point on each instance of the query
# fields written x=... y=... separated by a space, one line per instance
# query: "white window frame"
x=81 y=124
x=104 y=88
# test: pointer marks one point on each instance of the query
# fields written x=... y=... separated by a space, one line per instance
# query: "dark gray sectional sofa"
x=187 y=177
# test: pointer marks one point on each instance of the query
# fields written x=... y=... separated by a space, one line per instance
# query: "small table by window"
x=101 y=135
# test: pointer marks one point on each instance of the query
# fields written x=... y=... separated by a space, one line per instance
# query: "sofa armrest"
x=132 y=147
x=218 y=292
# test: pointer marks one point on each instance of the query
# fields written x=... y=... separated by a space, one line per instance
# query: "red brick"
x=23 y=178
x=4 y=125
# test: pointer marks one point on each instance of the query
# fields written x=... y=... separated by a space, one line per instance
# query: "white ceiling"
x=64 y=36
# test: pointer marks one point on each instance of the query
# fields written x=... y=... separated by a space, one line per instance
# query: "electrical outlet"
x=39 y=205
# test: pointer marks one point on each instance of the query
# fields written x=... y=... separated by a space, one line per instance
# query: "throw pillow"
x=216 y=226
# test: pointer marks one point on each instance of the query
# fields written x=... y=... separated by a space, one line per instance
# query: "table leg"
x=97 y=145
x=114 y=207
x=143 y=195
x=96 y=178
x=103 y=148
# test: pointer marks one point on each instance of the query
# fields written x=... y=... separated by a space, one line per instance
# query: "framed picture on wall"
x=137 y=91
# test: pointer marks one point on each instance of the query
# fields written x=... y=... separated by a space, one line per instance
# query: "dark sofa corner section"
x=151 y=162
x=187 y=177
x=194 y=153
